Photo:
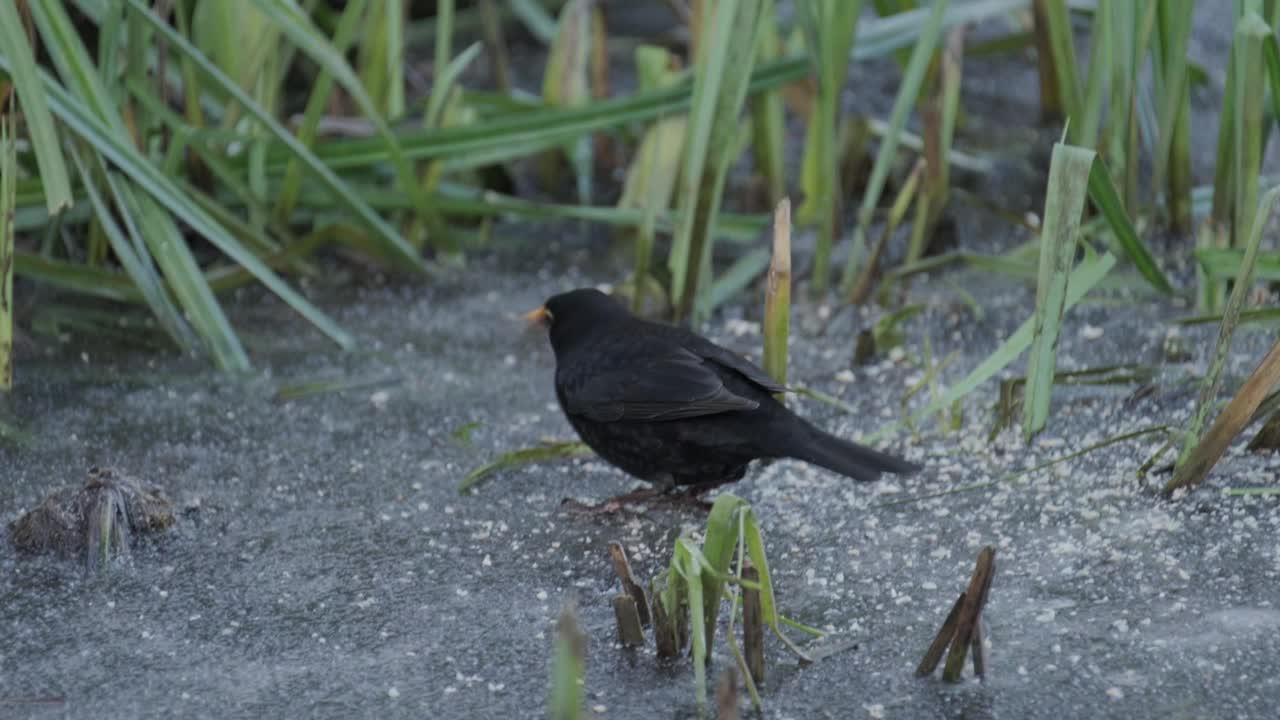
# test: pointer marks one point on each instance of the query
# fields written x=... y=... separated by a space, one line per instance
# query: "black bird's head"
x=576 y=315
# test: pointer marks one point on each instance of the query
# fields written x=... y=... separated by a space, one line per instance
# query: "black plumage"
x=673 y=408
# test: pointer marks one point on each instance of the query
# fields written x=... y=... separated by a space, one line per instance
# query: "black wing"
x=674 y=385
x=739 y=364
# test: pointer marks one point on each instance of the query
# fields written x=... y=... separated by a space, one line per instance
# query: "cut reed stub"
x=666 y=634
x=622 y=567
x=963 y=628
x=630 y=633
x=727 y=696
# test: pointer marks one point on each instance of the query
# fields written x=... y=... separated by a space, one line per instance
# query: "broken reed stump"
x=1233 y=419
x=630 y=633
x=665 y=635
x=962 y=629
x=752 y=625
x=938 y=647
x=1268 y=438
x=622 y=567
x=727 y=695
x=631 y=607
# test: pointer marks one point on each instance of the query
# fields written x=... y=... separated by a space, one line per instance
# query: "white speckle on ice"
x=739 y=328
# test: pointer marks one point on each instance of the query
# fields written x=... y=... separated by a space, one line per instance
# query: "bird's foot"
x=651 y=497
x=613 y=505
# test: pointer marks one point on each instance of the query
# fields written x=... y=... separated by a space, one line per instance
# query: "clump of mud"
x=96 y=521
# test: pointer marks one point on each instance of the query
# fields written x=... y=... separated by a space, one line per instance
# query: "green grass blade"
x=535 y=19
x=339 y=190
x=179 y=266
x=567 y=670
x=878 y=37
x=126 y=158
x=1171 y=165
x=1223 y=206
x=76 y=277
x=1271 y=52
x=8 y=201
x=551 y=451
x=1251 y=492
x=1083 y=279
x=447 y=80
x=21 y=67
x=1269 y=316
x=381 y=53
x=444 y=43
x=520 y=134
x=720 y=86
x=754 y=542
x=943 y=110
x=1247 y=135
x=687 y=565
x=1231 y=315
x=564 y=81
x=1069 y=172
x=1084 y=129
x=343 y=37
x=75 y=66
x=768 y=123
x=1103 y=194
x=463 y=201
x=830 y=26
x=1226 y=263
x=908 y=92
x=735 y=279
x=136 y=264
x=718 y=546
x=1063 y=55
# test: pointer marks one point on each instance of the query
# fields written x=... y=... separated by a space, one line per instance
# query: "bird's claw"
x=641 y=499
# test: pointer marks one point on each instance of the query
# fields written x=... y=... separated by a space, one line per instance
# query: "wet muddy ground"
x=324 y=565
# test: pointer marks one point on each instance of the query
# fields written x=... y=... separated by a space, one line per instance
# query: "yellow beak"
x=541 y=316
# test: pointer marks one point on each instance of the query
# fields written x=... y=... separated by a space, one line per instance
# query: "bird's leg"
x=662 y=491
x=695 y=495
x=616 y=504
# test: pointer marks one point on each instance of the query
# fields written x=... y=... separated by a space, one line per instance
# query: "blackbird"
x=673 y=408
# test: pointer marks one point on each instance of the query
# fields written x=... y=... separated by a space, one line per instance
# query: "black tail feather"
x=849 y=459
